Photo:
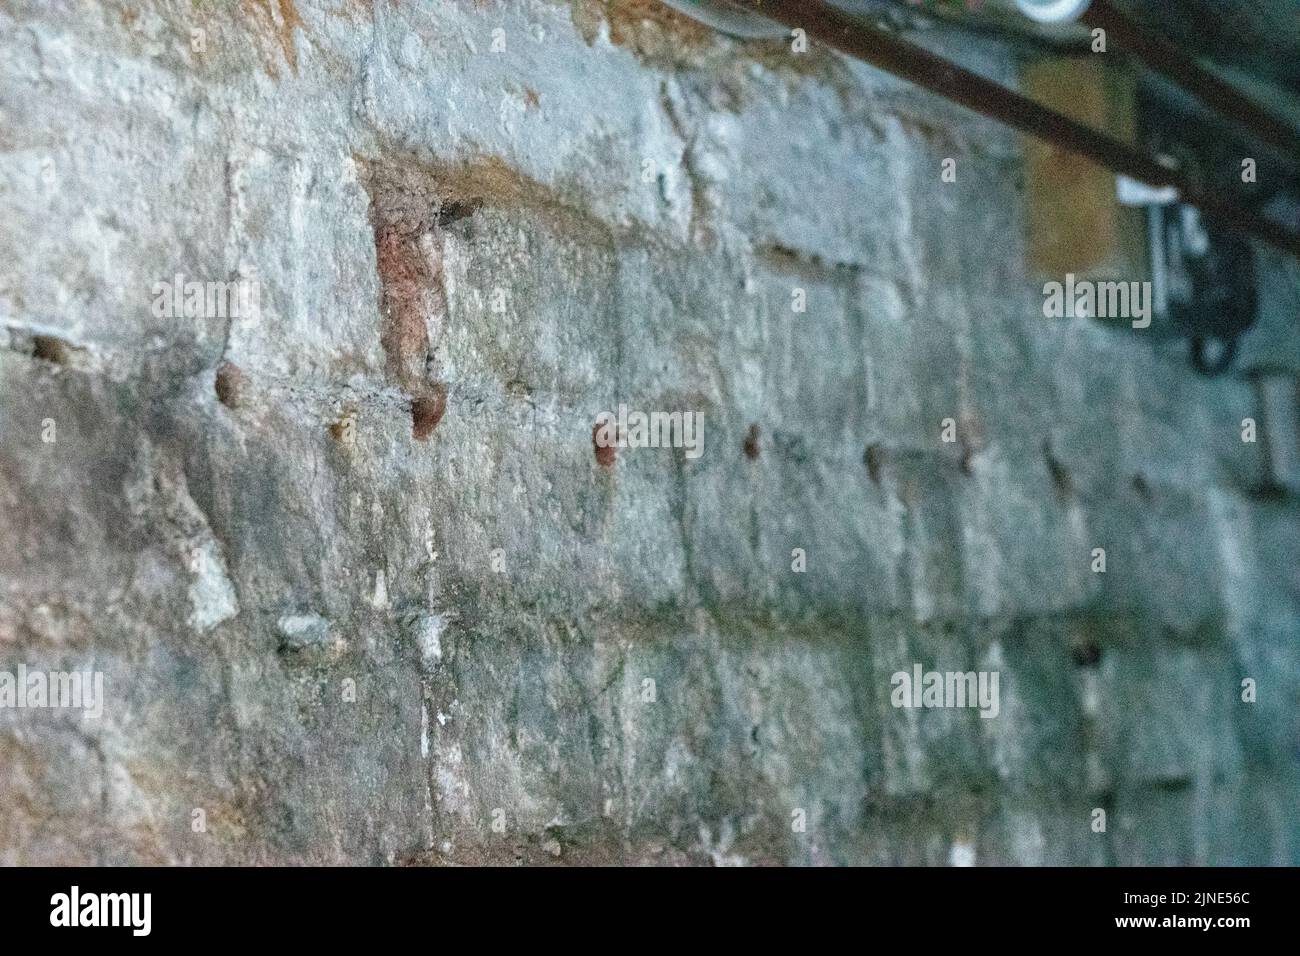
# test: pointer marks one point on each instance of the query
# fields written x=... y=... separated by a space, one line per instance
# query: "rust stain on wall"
x=276 y=20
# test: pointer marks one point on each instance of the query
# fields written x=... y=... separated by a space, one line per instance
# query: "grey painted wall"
x=359 y=586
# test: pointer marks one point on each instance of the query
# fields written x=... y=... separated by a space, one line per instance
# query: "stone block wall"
x=359 y=585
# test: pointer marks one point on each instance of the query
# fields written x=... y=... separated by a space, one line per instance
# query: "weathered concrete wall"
x=386 y=480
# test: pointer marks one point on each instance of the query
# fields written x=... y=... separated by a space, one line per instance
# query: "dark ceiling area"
x=1257 y=37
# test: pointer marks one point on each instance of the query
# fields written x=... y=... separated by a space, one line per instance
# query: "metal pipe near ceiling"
x=854 y=37
x=1165 y=58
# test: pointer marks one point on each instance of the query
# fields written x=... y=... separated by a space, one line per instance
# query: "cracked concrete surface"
x=361 y=590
